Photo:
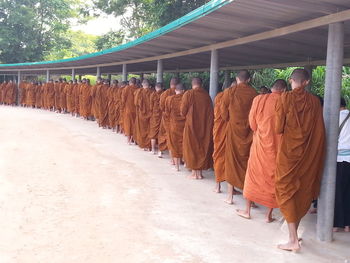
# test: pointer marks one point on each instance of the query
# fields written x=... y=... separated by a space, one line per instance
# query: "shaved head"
x=174 y=81
x=197 y=81
x=300 y=75
x=132 y=81
x=180 y=87
x=243 y=75
x=279 y=85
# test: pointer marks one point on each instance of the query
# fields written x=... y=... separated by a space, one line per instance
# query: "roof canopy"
x=247 y=33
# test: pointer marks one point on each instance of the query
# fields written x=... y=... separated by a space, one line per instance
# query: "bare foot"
x=243 y=213
x=335 y=229
x=217 y=189
x=290 y=246
x=270 y=220
x=199 y=177
x=228 y=201
x=347 y=229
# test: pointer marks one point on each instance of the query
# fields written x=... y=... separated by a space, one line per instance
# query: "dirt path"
x=71 y=192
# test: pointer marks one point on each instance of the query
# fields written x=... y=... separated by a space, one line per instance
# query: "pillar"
x=98 y=72
x=214 y=74
x=19 y=77
x=334 y=64
x=160 y=70
x=309 y=69
x=47 y=75
x=73 y=74
x=125 y=73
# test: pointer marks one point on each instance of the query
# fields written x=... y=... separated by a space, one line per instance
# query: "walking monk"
x=197 y=108
x=219 y=138
x=164 y=124
x=236 y=104
x=301 y=154
x=156 y=116
x=259 y=184
x=129 y=109
x=144 y=113
x=177 y=124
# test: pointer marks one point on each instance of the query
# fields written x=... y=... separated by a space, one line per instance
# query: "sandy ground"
x=72 y=192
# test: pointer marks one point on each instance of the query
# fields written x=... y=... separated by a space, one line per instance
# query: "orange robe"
x=22 y=92
x=301 y=154
x=129 y=110
x=177 y=125
x=63 y=96
x=38 y=96
x=219 y=138
x=112 y=106
x=50 y=95
x=236 y=104
x=197 y=108
x=156 y=115
x=121 y=108
x=164 y=124
x=57 y=95
x=76 y=95
x=31 y=95
x=259 y=184
x=69 y=97
x=144 y=113
x=102 y=105
x=85 y=100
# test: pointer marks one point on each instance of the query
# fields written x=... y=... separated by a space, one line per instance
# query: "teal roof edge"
x=194 y=15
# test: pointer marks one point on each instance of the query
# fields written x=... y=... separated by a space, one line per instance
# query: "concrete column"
x=98 y=72
x=19 y=78
x=125 y=73
x=160 y=70
x=47 y=75
x=73 y=73
x=309 y=69
x=227 y=81
x=335 y=57
x=214 y=74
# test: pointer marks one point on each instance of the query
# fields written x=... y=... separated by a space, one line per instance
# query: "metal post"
x=309 y=69
x=73 y=74
x=125 y=73
x=47 y=75
x=335 y=57
x=214 y=74
x=18 y=90
x=98 y=72
x=160 y=70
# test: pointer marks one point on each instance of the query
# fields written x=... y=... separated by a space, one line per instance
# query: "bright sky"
x=99 y=26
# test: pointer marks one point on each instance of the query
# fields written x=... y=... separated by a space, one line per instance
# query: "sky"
x=99 y=26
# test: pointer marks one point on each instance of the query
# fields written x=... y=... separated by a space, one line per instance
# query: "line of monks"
x=269 y=146
x=8 y=92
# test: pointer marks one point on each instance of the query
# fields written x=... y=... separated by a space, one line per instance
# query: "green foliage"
x=82 y=44
x=110 y=39
x=30 y=29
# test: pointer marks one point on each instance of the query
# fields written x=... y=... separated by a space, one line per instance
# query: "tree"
x=31 y=29
x=110 y=39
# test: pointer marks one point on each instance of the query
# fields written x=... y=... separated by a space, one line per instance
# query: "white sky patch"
x=100 y=25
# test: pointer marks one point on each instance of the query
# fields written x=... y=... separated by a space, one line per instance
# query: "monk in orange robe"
x=51 y=95
x=31 y=94
x=121 y=106
x=144 y=113
x=10 y=93
x=236 y=104
x=137 y=126
x=156 y=116
x=219 y=138
x=113 y=107
x=259 y=184
x=164 y=124
x=38 y=96
x=301 y=154
x=22 y=93
x=129 y=111
x=177 y=125
x=197 y=108
x=85 y=99
x=69 y=96
x=76 y=95
x=102 y=105
x=63 y=96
